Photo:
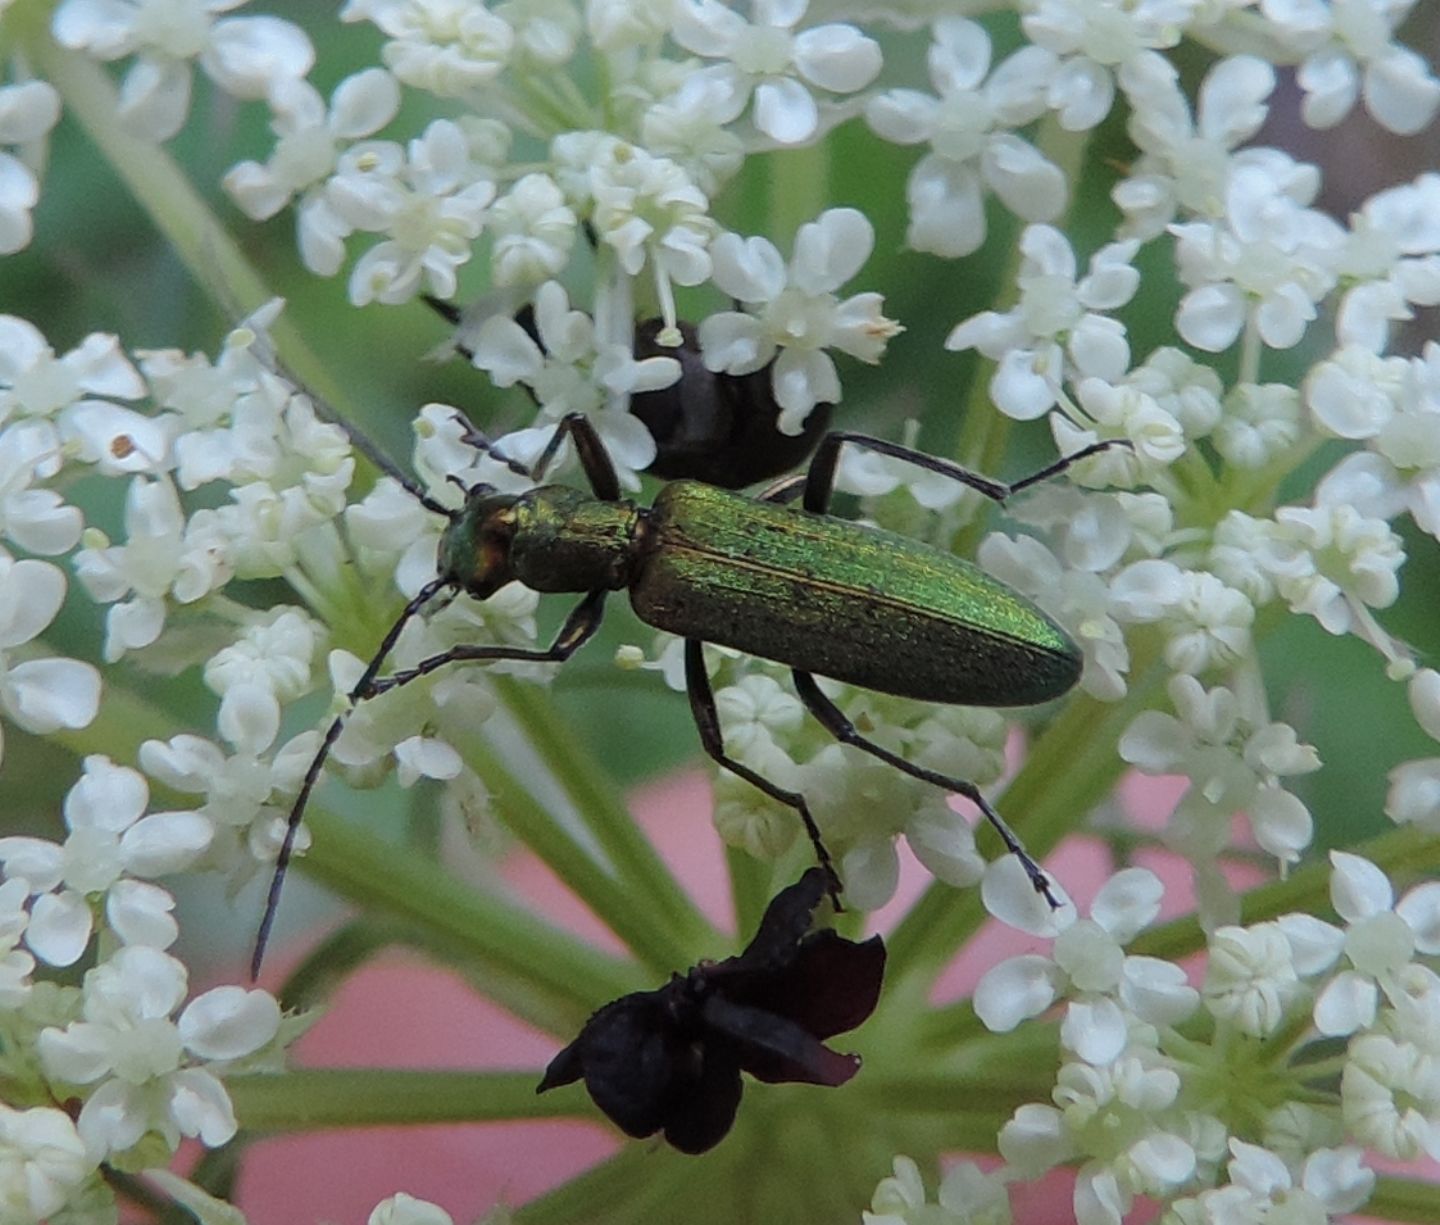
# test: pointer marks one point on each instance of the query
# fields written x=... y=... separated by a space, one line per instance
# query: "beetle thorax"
x=551 y=539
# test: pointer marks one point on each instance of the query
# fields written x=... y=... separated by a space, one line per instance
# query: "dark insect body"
x=796 y=586
x=708 y=425
x=669 y=1060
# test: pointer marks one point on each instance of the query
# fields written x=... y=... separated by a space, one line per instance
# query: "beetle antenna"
x=481 y=441
x=358 y=438
x=297 y=810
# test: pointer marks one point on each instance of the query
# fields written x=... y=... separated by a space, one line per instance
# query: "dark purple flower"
x=670 y=1060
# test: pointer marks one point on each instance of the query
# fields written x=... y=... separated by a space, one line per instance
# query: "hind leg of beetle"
x=707 y=721
x=820 y=478
x=834 y=721
x=582 y=622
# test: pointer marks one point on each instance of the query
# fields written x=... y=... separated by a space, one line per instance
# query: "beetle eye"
x=496 y=536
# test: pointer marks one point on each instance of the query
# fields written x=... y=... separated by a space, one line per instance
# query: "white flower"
x=1391 y=259
x=28 y=111
x=1262 y=422
x=16 y=965
x=646 y=209
x=1121 y=1117
x=110 y=836
x=1207 y=624
x=532 y=231
x=969 y=129
x=1186 y=162
x=1390 y=1097
x=1263 y=1188
x=41 y=695
x=1381 y=938
x=402 y=1209
x=795 y=311
x=863 y=804
x=1094 y=37
x=1270 y=260
x=764 y=59
x=1057 y=316
x=1234 y=761
x=43 y=1162
x=163 y=555
x=1391 y=404
x=546 y=31
x=1250 y=978
x=1106 y=989
x=246 y=794
x=687 y=127
x=247 y=56
x=127 y=1046
x=429 y=199
x=33 y=381
x=1350 y=51
x=268 y=666
x=307 y=146
x=1336 y=564
x=449 y=47
x=569 y=370
x=968 y=1196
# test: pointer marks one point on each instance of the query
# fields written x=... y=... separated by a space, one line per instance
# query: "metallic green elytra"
x=794 y=585
x=853 y=603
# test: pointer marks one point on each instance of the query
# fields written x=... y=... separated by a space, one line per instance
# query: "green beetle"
x=798 y=586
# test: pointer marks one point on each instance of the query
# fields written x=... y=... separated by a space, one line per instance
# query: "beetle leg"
x=820 y=479
x=579 y=625
x=834 y=721
x=583 y=621
x=707 y=722
x=784 y=491
x=594 y=458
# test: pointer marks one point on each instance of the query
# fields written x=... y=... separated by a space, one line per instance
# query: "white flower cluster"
x=144 y=1079
x=1149 y=1100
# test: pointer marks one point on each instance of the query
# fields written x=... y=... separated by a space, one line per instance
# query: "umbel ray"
x=797 y=586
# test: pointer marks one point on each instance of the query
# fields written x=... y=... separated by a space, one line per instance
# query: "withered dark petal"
x=775 y=1050
x=831 y=986
x=701 y=1112
x=782 y=927
x=627 y=1052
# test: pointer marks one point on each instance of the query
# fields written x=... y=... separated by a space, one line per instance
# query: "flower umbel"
x=671 y=240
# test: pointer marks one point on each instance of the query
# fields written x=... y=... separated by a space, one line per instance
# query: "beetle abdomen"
x=859 y=605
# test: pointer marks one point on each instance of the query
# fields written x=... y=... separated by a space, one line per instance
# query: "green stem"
x=1307 y=889
x=1404 y=1199
x=627 y=912
x=304 y=1099
x=799 y=183
x=538 y=972
x=642 y=877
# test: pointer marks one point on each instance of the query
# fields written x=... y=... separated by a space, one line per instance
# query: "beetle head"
x=474 y=551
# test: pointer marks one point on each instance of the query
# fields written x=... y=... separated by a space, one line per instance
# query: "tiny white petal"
x=59 y=928
x=1011 y=896
x=229 y=1022
x=1014 y=991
